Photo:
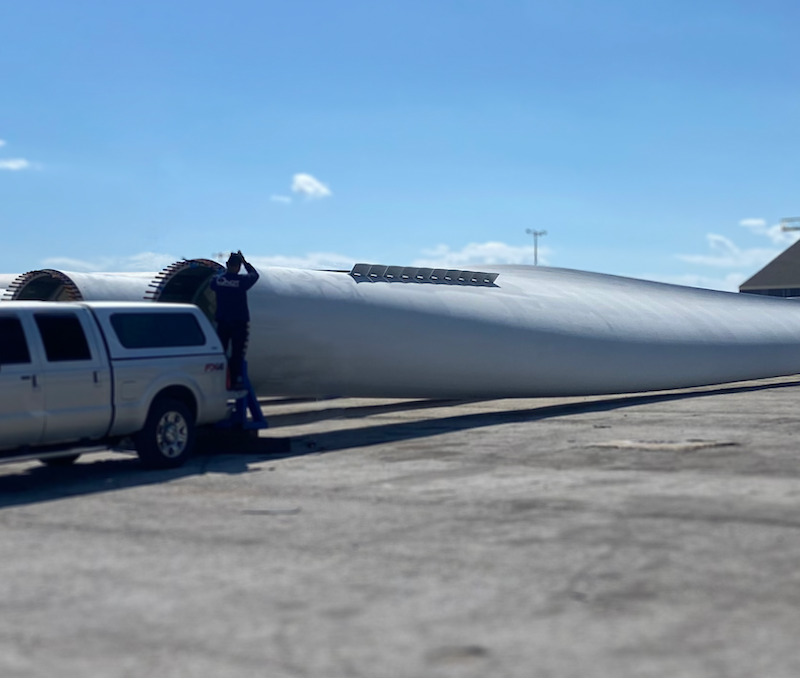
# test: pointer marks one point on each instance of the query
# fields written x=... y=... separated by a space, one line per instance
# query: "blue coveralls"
x=233 y=315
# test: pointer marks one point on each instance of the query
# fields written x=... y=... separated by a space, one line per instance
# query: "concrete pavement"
x=645 y=535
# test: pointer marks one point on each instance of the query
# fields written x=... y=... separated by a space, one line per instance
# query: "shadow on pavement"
x=387 y=433
x=232 y=453
x=47 y=483
x=311 y=416
x=290 y=401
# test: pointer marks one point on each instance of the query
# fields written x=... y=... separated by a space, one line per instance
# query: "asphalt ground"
x=648 y=535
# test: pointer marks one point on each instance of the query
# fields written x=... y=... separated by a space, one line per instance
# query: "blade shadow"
x=332 y=441
x=360 y=412
x=39 y=484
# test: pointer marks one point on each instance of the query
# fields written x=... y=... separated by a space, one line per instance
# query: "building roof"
x=782 y=272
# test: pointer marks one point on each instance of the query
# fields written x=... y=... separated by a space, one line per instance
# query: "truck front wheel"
x=167 y=439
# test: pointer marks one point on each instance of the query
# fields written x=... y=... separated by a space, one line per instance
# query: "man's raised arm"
x=252 y=274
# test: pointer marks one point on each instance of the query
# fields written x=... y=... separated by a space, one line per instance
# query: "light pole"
x=535 y=235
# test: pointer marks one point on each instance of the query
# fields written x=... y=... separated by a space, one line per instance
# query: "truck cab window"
x=13 y=346
x=63 y=337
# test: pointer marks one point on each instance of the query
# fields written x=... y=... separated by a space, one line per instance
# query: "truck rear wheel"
x=167 y=439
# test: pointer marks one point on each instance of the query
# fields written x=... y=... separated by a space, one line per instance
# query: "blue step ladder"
x=247 y=403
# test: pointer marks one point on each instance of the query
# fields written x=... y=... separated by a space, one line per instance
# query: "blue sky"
x=650 y=138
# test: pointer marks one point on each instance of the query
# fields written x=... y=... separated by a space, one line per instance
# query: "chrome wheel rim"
x=172 y=434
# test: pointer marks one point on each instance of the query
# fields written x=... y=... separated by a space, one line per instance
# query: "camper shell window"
x=157 y=330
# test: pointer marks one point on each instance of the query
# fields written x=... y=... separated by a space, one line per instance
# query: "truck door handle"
x=30 y=377
x=26 y=377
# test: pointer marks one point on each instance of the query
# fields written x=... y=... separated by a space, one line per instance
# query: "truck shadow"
x=228 y=453
x=48 y=483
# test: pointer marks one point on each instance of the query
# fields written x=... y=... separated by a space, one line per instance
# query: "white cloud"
x=142 y=262
x=285 y=199
x=15 y=164
x=148 y=261
x=774 y=232
x=727 y=283
x=2 y=142
x=480 y=254
x=69 y=264
x=311 y=188
x=726 y=254
x=315 y=260
x=154 y=261
x=471 y=256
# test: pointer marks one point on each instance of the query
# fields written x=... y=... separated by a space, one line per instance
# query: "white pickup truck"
x=81 y=376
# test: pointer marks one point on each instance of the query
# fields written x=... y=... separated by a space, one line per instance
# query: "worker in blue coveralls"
x=233 y=314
